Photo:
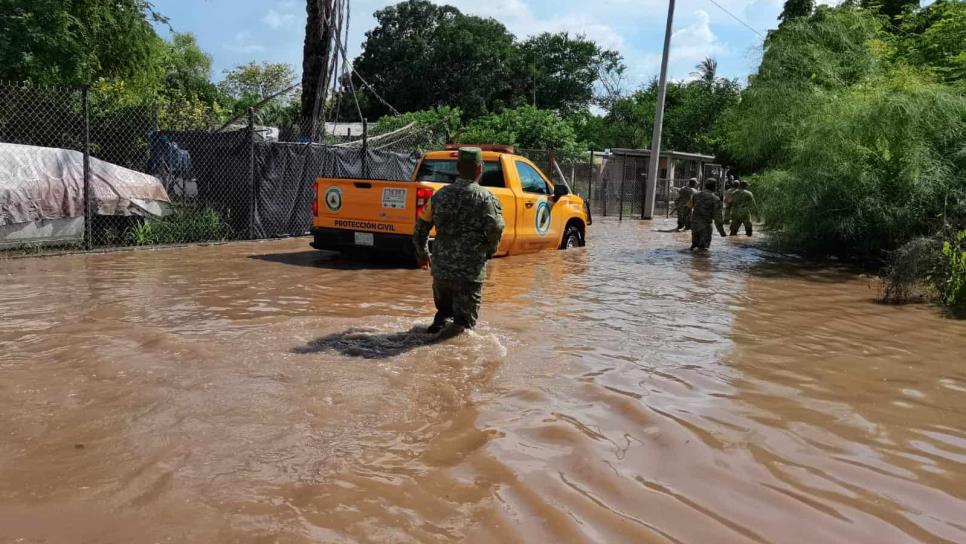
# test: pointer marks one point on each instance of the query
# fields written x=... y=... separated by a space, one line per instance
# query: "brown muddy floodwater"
x=627 y=392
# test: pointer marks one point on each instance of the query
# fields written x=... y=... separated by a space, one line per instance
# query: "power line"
x=739 y=19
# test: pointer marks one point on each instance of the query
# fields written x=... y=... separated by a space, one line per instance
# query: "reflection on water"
x=627 y=392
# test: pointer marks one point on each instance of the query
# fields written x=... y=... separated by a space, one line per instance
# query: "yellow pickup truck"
x=381 y=214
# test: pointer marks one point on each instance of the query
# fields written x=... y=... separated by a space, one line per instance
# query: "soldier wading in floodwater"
x=744 y=205
x=683 y=206
x=706 y=208
x=469 y=224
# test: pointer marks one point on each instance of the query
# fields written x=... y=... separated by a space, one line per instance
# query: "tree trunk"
x=315 y=62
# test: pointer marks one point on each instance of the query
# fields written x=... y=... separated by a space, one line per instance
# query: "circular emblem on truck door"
x=333 y=199
x=543 y=218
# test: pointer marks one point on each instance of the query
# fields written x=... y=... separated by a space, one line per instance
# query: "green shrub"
x=952 y=290
x=526 y=127
x=873 y=166
x=913 y=270
x=184 y=225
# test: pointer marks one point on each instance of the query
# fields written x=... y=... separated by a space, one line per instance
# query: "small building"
x=622 y=178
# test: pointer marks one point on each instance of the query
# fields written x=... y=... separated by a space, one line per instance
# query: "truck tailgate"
x=366 y=205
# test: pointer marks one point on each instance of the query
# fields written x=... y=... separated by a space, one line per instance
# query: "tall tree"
x=935 y=37
x=692 y=113
x=316 y=54
x=257 y=80
x=890 y=8
x=60 y=42
x=559 y=71
x=187 y=69
x=796 y=8
x=421 y=55
x=707 y=70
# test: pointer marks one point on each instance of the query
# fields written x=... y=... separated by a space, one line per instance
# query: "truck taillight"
x=315 y=199
x=423 y=195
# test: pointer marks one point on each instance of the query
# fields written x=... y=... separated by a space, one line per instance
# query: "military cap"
x=472 y=155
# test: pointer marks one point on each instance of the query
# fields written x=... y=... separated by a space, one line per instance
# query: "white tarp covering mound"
x=43 y=183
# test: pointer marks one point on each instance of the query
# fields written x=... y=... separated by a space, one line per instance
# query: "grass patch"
x=185 y=225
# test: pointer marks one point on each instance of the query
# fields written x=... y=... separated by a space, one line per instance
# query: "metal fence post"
x=551 y=163
x=604 y=199
x=667 y=199
x=590 y=178
x=88 y=216
x=253 y=205
x=365 y=149
x=620 y=214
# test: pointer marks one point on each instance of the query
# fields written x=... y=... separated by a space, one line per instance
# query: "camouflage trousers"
x=741 y=219
x=457 y=300
x=701 y=234
x=727 y=214
x=684 y=218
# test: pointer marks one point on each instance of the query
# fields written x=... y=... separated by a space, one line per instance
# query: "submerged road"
x=626 y=392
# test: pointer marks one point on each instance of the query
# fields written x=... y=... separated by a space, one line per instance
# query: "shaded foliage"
x=935 y=37
x=421 y=55
x=794 y=9
x=526 y=127
x=76 y=43
x=559 y=71
x=859 y=151
x=692 y=111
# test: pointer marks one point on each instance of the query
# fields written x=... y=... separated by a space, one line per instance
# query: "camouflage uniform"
x=743 y=204
x=683 y=207
x=728 y=199
x=469 y=224
x=707 y=208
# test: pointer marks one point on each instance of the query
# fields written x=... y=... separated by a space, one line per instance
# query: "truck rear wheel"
x=572 y=238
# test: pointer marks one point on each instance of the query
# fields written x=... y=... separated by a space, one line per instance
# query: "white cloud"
x=241 y=42
x=635 y=28
x=498 y=9
x=277 y=20
x=694 y=42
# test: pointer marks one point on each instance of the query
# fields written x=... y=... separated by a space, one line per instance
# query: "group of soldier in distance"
x=698 y=209
x=469 y=223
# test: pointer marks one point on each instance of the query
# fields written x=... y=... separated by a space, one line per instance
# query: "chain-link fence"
x=82 y=171
x=614 y=182
x=78 y=172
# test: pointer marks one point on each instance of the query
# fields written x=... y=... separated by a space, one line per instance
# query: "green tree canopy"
x=257 y=80
x=692 y=111
x=890 y=8
x=421 y=55
x=188 y=69
x=860 y=150
x=526 y=127
x=796 y=8
x=60 y=42
x=935 y=36
x=802 y=60
x=559 y=71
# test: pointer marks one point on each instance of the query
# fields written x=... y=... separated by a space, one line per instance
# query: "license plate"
x=365 y=239
x=394 y=198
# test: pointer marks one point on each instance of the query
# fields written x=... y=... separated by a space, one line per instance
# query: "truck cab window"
x=531 y=180
x=444 y=171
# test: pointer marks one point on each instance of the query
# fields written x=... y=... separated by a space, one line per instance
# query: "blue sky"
x=238 y=31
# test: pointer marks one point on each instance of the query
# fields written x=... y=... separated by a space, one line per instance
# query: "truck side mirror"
x=560 y=190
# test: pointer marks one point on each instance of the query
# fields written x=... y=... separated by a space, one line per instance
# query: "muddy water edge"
x=626 y=392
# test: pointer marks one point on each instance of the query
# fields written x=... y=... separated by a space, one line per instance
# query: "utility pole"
x=650 y=188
